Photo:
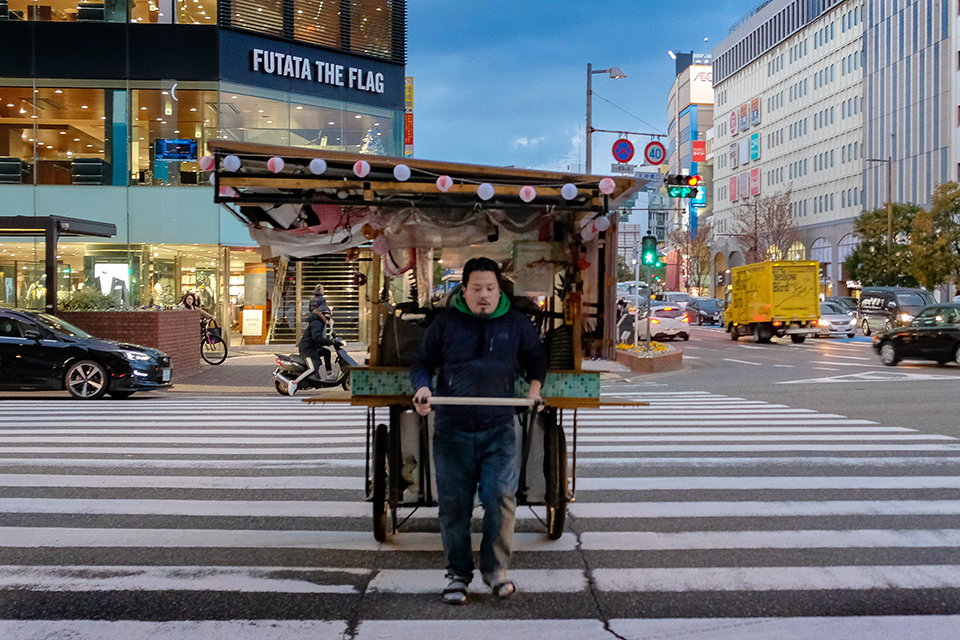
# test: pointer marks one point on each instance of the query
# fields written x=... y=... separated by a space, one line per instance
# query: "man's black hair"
x=479 y=264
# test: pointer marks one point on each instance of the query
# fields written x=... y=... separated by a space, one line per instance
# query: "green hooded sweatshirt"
x=502 y=307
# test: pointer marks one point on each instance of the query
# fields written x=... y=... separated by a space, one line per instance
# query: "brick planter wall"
x=176 y=333
x=659 y=363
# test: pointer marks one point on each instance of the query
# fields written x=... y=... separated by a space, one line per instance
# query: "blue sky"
x=504 y=82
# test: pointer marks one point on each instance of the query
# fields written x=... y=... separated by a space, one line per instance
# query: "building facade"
x=105 y=110
x=910 y=92
x=789 y=84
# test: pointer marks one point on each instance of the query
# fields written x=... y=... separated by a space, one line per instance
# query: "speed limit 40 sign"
x=654 y=153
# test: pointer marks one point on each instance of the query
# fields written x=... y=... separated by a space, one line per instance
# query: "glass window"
x=262 y=16
x=59 y=135
x=317 y=22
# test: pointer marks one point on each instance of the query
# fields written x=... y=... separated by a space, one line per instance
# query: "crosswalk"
x=699 y=515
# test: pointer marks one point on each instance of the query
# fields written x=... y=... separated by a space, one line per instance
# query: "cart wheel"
x=555 y=469
x=379 y=493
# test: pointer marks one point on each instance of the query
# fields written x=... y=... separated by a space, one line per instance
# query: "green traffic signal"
x=682 y=186
x=648 y=251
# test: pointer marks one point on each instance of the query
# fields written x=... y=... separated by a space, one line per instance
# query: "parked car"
x=847 y=302
x=883 y=308
x=836 y=321
x=933 y=335
x=41 y=352
x=679 y=298
x=667 y=321
x=705 y=310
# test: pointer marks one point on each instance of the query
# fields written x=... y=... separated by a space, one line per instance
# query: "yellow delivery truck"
x=769 y=299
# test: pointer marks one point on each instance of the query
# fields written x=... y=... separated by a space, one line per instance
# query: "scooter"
x=290 y=367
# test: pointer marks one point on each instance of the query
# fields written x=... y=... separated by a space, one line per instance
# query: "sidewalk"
x=248 y=371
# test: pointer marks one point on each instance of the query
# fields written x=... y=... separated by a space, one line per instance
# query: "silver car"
x=836 y=321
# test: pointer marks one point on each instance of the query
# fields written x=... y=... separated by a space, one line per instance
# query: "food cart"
x=550 y=231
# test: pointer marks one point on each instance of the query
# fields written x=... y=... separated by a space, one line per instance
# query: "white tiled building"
x=788 y=84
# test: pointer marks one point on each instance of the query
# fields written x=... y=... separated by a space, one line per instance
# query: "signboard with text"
x=755 y=112
x=734 y=122
x=754 y=146
x=698 y=151
x=744 y=117
x=733 y=189
x=755 y=182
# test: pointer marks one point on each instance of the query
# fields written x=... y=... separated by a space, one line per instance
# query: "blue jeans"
x=465 y=461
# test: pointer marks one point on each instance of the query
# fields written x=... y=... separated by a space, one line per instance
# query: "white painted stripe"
x=596 y=510
x=777 y=448
x=188 y=464
x=805 y=539
x=204 y=508
x=175 y=439
x=764 y=461
x=743 y=429
x=184 y=578
x=249 y=483
x=778 y=578
x=761 y=509
x=63 y=537
x=727 y=437
x=779 y=483
x=836 y=355
x=433 y=581
x=279 y=433
x=845 y=364
x=177 y=630
x=733 y=420
x=189 y=451
x=742 y=361
x=919 y=627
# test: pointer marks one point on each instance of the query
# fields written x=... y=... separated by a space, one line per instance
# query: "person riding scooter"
x=313 y=346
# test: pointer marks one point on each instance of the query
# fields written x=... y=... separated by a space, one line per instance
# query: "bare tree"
x=765 y=228
x=695 y=251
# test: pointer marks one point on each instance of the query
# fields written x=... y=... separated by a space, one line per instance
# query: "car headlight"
x=823 y=323
x=134 y=355
x=906 y=317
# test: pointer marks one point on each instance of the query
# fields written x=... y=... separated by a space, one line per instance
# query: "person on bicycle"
x=189 y=302
x=313 y=345
x=478 y=345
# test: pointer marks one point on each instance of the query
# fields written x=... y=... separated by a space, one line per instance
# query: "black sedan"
x=41 y=352
x=934 y=334
x=705 y=310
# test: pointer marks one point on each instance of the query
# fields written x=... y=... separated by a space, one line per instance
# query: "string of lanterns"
x=402 y=173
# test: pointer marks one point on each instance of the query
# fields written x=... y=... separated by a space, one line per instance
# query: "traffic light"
x=682 y=186
x=648 y=251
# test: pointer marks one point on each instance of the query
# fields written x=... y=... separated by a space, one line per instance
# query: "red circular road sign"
x=655 y=153
x=623 y=150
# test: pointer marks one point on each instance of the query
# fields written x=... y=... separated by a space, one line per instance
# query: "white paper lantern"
x=444 y=183
x=361 y=168
x=607 y=185
x=380 y=245
x=275 y=164
x=569 y=191
x=206 y=163
x=587 y=233
x=485 y=191
x=527 y=193
x=318 y=166
x=231 y=163
x=602 y=223
x=401 y=172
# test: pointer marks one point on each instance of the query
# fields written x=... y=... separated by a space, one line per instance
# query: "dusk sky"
x=504 y=82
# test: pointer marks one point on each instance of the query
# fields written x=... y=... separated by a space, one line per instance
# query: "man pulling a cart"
x=477 y=346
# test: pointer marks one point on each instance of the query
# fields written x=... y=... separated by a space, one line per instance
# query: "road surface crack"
x=591 y=581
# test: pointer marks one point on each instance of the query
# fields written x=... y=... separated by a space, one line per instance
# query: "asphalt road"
x=765 y=491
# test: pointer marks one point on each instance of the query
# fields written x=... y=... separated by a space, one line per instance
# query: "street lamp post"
x=889 y=162
x=615 y=72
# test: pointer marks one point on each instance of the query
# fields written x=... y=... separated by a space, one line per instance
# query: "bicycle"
x=212 y=347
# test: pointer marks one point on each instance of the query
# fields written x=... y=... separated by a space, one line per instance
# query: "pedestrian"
x=318 y=300
x=477 y=346
x=189 y=302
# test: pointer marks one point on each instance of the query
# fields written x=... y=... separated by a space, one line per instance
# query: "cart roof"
x=297 y=212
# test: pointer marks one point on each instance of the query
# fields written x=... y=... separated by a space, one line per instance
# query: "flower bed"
x=659 y=358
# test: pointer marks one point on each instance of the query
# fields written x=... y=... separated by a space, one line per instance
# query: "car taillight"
x=685 y=318
x=654 y=321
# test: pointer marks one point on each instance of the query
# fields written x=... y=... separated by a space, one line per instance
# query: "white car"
x=667 y=321
x=678 y=298
x=835 y=321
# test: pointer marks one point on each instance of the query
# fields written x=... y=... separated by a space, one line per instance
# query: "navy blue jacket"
x=477 y=358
